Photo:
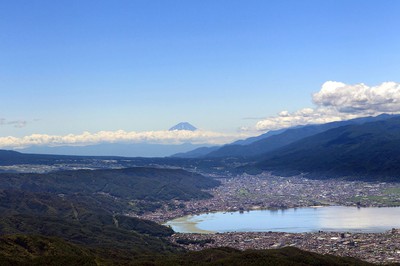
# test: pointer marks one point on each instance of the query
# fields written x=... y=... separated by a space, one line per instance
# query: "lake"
x=298 y=220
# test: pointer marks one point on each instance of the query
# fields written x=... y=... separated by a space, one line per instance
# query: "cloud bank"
x=337 y=101
x=120 y=136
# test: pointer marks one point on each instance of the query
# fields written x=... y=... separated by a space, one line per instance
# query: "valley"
x=104 y=210
x=82 y=204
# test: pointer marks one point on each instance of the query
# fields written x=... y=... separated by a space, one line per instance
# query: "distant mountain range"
x=115 y=149
x=120 y=149
x=363 y=148
x=211 y=151
x=197 y=153
x=272 y=140
x=257 y=138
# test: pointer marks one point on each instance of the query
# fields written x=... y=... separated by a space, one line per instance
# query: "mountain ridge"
x=272 y=140
x=114 y=149
x=365 y=151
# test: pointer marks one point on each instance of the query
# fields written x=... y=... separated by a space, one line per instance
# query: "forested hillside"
x=366 y=151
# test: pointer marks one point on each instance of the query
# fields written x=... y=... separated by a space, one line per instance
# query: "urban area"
x=266 y=191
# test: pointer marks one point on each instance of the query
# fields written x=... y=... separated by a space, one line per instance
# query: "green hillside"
x=39 y=250
x=79 y=223
x=130 y=183
x=85 y=206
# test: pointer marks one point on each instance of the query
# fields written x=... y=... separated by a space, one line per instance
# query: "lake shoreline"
x=293 y=220
x=269 y=192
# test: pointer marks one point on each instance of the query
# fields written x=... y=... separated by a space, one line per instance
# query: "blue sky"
x=72 y=66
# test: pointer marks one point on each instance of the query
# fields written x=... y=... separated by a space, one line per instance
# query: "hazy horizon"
x=90 y=72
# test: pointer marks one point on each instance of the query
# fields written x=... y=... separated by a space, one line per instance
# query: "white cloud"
x=338 y=101
x=359 y=97
x=87 y=138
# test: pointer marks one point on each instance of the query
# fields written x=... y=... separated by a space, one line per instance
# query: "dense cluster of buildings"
x=375 y=248
x=266 y=191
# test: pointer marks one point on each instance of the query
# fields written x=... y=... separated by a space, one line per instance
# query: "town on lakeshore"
x=266 y=191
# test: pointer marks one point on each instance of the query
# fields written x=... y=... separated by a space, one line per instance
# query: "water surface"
x=332 y=218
